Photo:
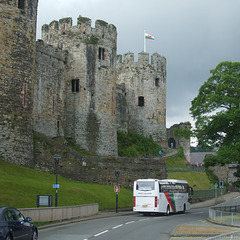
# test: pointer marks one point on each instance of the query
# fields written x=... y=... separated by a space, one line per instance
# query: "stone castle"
x=72 y=84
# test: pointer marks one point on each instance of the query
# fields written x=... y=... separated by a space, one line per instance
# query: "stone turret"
x=17 y=59
x=89 y=81
x=141 y=95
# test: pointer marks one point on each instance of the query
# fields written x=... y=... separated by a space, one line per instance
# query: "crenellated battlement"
x=157 y=61
x=82 y=30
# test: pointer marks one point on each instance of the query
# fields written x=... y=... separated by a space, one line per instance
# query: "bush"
x=133 y=145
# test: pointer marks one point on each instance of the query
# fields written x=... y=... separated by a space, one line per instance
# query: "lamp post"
x=56 y=158
x=117 y=172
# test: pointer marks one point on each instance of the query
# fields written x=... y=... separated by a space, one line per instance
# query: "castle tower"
x=17 y=58
x=141 y=95
x=90 y=81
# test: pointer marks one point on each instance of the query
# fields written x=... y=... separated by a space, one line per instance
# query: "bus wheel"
x=168 y=211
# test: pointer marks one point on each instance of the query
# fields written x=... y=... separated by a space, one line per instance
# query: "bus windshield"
x=145 y=185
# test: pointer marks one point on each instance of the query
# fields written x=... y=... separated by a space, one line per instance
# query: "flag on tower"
x=148 y=36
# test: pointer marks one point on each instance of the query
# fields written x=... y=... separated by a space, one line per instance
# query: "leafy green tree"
x=216 y=109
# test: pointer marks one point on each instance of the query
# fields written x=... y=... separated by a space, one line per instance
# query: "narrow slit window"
x=141 y=101
x=101 y=53
x=156 y=82
x=75 y=85
x=21 y=4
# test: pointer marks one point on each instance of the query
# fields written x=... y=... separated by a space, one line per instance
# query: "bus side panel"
x=181 y=199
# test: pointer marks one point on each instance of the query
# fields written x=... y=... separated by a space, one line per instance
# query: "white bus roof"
x=170 y=181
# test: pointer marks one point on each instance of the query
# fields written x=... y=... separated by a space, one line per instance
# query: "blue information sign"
x=56 y=186
x=216 y=185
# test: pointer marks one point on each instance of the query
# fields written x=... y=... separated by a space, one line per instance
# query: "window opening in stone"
x=156 y=82
x=171 y=143
x=58 y=127
x=141 y=101
x=21 y=4
x=75 y=85
x=101 y=53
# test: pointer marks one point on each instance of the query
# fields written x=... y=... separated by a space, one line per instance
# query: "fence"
x=226 y=236
x=228 y=218
x=182 y=168
x=227 y=215
x=202 y=195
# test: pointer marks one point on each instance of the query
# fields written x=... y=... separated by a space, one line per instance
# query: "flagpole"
x=144 y=41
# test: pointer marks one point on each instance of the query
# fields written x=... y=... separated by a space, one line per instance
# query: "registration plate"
x=145 y=205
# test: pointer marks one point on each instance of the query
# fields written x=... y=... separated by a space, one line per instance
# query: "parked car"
x=13 y=225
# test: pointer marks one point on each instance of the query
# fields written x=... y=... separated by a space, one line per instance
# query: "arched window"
x=171 y=143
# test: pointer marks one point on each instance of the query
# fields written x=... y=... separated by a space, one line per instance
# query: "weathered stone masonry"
x=72 y=85
x=141 y=95
x=89 y=83
x=17 y=60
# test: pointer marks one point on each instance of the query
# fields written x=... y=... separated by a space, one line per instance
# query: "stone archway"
x=171 y=143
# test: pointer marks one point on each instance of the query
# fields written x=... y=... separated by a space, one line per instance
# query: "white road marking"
x=117 y=226
x=129 y=222
x=145 y=219
x=98 y=234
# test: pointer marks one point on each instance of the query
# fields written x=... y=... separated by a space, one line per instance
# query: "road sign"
x=56 y=186
x=216 y=185
x=116 y=188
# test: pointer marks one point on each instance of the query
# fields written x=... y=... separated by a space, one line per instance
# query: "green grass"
x=175 y=161
x=200 y=179
x=19 y=187
x=133 y=145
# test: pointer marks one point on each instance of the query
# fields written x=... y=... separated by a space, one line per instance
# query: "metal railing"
x=227 y=215
x=226 y=236
x=208 y=194
x=226 y=218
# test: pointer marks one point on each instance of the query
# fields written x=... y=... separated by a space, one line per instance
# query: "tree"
x=216 y=108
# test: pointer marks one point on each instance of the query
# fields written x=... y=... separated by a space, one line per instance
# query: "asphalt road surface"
x=134 y=227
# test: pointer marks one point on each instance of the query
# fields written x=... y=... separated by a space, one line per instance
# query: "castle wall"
x=95 y=169
x=49 y=90
x=90 y=82
x=141 y=94
x=17 y=59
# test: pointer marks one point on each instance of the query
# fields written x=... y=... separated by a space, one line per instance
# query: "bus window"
x=145 y=186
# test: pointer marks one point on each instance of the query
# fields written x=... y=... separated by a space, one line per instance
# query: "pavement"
x=204 y=229
x=196 y=230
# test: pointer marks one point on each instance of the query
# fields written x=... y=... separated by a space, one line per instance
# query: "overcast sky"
x=193 y=35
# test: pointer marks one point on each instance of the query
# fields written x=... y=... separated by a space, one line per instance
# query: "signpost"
x=56 y=158
x=117 y=188
x=216 y=185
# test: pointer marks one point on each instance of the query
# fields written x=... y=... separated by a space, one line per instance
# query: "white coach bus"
x=161 y=196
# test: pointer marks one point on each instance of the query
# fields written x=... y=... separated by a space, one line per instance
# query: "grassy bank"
x=19 y=187
x=182 y=171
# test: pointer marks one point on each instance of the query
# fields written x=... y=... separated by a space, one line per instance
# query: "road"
x=134 y=227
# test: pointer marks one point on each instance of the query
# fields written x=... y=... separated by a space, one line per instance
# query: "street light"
x=56 y=158
x=117 y=172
